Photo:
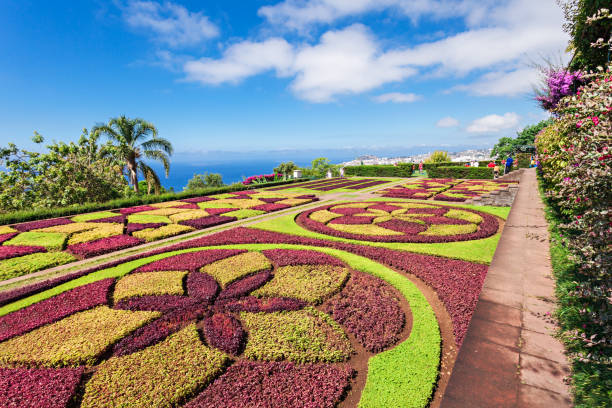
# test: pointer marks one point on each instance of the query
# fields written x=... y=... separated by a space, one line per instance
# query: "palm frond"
x=158 y=143
x=160 y=157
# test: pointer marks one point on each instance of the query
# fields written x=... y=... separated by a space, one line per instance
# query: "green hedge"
x=40 y=214
x=461 y=172
x=403 y=169
x=523 y=160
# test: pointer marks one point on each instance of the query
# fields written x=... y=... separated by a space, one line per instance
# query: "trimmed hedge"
x=405 y=169
x=458 y=172
x=39 y=214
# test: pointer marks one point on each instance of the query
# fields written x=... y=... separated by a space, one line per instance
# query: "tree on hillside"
x=590 y=30
x=137 y=139
x=439 y=156
x=321 y=165
x=285 y=168
x=507 y=145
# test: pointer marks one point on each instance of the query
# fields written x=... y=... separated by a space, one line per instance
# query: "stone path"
x=509 y=357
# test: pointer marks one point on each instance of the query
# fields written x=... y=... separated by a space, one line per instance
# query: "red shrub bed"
x=103 y=246
x=55 y=308
x=270 y=200
x=276 y=384
x=11 y=251
x=270 y=207
x=197 y=199
x=217 y=211
x=6 y=237
x=286 y=257
x=205 y=222
x=246 y=285
x=38 y=387
x=190 y=261
x=368 y=308
x=159 y=329
x=119 y=219
x=28 y=226
x=352 y=220
x=137 y=209
x=188 y=206
x=202 y=286
x=224 y=332
x=254 y=304
x=366 y=185
x=405 y=227
x=161 y=303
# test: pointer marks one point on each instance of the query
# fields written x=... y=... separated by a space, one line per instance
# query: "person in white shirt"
x=475 y=163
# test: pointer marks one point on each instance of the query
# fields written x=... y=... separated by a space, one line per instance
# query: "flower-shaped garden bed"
x=472 y=188
x=211 y=327
x=399 y=222
x=37 y=245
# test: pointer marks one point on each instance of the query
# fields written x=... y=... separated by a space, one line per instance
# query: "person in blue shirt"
x=509 y=162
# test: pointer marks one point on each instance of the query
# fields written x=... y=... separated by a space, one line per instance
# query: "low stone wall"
x=499 y=198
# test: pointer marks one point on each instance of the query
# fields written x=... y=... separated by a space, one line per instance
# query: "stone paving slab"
x=510 y=357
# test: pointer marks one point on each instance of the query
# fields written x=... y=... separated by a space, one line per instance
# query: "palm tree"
x=136 y=139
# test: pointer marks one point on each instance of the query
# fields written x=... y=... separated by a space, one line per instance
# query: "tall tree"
x=137 y=139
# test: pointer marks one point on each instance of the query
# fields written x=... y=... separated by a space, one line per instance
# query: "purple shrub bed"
x=398 y=223
x=276 y=384
x=367 y=185
x=196 y=200
x=119 y=219
x=218 y=211
x=7 y=252
x=7 y=236
x=38 y=387
x=255 y=304
x=368 y=308
x=160 y=303
x=55 y=308
x=190 y=261
x=205 y=222
x=188 y=206
x=133 y=227
x=159 y=329
x=103 y=246
x=287 y=257
x=270 y=207
x=29 y=226
x=202 y=287
x=224 y=332
x=246 y=285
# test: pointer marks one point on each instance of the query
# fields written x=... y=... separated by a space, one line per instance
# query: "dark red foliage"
x=133 y=227
x=442 y=197
x=190 y=261
x=32 y=225
x=254 y=304
x=244 y=286
x=159 y=329
x=205 y=222
x=408 y=193
x=435 y=211
x=224 y=332
x=307 y=197
x=285 y=257
x=188 y=206
x=486 y=228
x=217 y=211
x=353 y=220
x=403 y=226
x=444 y=220
x=55 y=308
x=38 y=387
x=368 y=309
x=161 y=303
x=457 y=283
x=119 y=219
x=385 y=207
x=202 y=286
x=197 y=199
x=137 y=209
x=11 y=251
x=270 y=200
x=6 y=237
x=103 y=246
x=347 y=211
x=366 y=185
x=276 y=384
x=270 y=207
x=246 y=192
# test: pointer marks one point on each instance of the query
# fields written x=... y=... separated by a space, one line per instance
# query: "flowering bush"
x=558 y=84
x=576 y=165
x=262 y=178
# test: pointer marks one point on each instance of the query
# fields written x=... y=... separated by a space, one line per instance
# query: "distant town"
x=466 y=155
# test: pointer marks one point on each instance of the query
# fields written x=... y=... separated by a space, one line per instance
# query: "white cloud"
x=503 y=83
x=348 y=61
x=494 y=123
x=171 y=23
x=447 y=122
x=243 y=60
x=397 y=97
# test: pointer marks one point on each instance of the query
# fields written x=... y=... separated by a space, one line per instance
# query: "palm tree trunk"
x=131 y=165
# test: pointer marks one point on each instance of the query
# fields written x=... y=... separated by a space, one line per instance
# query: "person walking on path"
x=509 y=162
x=421 y=167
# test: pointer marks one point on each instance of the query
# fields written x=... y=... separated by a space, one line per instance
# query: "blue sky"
x=237 y=75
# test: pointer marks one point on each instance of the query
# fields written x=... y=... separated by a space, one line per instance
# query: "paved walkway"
x=509 y=357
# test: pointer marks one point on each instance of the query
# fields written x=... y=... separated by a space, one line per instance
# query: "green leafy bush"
x=461 y=172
